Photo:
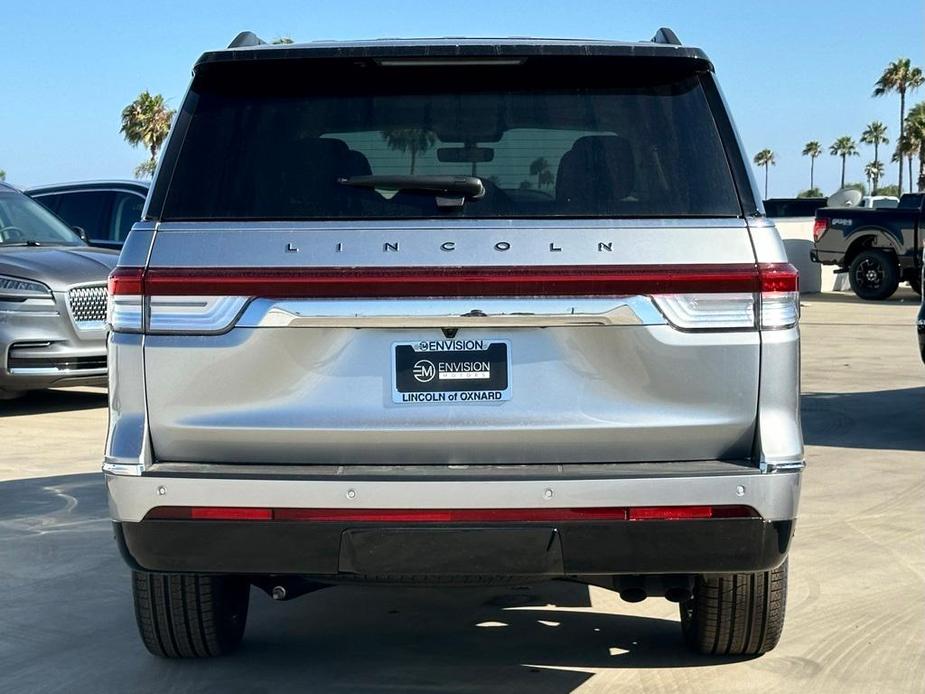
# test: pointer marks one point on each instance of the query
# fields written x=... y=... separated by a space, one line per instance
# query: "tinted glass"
x=49 y=201
x=88 y=210
x=548 y=139
x=126 y=210
x=23 y=220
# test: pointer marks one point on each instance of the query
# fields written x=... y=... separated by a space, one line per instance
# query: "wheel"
x=190 y=616
x=874 y=274
x=736 y=614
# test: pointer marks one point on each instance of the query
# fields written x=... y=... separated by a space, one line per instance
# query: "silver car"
x=454 y=312
x=52 y=300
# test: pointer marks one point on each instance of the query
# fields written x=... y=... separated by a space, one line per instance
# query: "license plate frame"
x=451 y=371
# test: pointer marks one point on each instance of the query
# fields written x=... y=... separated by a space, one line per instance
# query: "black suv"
x=104 y=210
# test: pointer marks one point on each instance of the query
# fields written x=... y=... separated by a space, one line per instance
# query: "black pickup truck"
x=878 y=248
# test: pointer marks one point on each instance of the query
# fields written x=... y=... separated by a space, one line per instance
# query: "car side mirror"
x=82 y=233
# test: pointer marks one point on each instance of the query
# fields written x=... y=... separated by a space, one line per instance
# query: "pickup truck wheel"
x=190 y=616
x=874 y=274
x=736 y=614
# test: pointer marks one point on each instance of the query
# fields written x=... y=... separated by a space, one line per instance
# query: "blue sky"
x=792 y=71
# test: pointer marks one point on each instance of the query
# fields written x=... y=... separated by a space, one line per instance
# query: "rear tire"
x=874 y=274
x=190 y=616
x=736 y=614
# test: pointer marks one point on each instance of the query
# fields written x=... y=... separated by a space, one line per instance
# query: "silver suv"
x=454 y=312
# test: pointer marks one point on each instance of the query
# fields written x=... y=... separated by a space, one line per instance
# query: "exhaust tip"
x=633 y=594
x=678 y=594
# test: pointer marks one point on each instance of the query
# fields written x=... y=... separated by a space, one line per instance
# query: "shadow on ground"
x=68 y=624
x=880 y=419
x=904 y=295
x=60 y=400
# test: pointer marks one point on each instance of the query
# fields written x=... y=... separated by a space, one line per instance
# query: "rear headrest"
x=598 y=171
x=357 y=164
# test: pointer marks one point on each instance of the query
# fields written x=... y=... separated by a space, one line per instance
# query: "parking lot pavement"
x=855 y=619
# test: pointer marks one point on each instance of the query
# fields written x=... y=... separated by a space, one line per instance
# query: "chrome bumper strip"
x=440 y=313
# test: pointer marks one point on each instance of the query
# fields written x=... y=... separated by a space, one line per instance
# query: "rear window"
x=548 y=138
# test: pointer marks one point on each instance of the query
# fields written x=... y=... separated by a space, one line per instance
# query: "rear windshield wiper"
x=454 y=189
x=21 y=243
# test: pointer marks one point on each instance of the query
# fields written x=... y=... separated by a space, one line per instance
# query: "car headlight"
x=18 y=290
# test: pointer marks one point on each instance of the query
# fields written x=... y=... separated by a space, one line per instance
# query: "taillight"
x=819 y=227
x=780 y=296
x=125 y=303
x=130 y=310
x=772 y=303
x=691 y=297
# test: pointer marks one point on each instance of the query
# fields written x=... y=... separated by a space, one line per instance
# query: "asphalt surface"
x=856 y=614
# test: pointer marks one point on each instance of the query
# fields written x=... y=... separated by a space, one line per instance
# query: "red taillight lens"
x=779 y=277
x=401 y=282
x=819 y=227
x=126 y=280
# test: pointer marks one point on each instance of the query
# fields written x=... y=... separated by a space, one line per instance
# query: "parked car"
x=782 y=208
x=878 y=248
x=52 y=300
x=352 y=352
x=105 y=210
x=879 y=202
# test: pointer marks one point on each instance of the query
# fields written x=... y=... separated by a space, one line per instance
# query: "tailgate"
x=259 y=360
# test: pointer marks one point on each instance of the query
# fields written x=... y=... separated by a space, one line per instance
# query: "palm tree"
x=915 y=135
x=873 y=172
x=146 y=121
x=281 y=41
x=765 y=158
x=900 y=77
x=904 y=148
x=2 y=175
x=875 y=134
x=812 y=150
x=539 y=167
x=843 y=147
x=414 y=140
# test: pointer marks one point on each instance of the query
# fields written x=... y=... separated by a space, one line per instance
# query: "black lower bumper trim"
x=534 y=549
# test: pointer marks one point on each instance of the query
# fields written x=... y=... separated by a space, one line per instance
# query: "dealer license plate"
x=451 y=371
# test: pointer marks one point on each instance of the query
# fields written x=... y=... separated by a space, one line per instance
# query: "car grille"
x=88 y=305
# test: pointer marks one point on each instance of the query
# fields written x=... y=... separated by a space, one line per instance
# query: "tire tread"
x=189 y=616
x=736 y=614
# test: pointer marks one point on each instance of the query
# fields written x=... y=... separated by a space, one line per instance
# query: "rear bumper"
x=524 y=549
x=826 y=257
x=541 y=548
x=133 y=493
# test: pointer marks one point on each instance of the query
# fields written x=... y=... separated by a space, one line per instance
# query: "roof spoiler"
x=247 y=39
x=666 y=36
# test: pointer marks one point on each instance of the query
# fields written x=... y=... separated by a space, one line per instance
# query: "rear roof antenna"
x=666 y=36
x=246 y=39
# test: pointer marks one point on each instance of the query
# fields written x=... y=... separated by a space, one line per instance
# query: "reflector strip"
x=220 y=513
x=572 y=280
x=670 y=512
x=484 y=515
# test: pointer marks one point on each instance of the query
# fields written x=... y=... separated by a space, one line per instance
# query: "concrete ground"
x=856 y=614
